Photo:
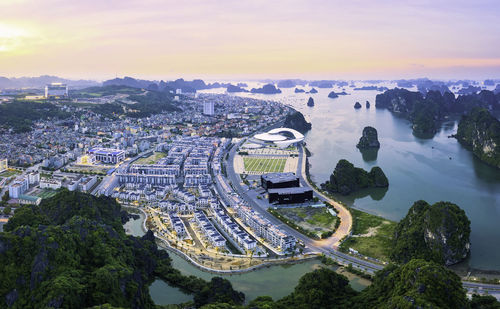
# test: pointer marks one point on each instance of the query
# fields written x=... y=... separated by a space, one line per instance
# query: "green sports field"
x=47 y=193
x=264 y=165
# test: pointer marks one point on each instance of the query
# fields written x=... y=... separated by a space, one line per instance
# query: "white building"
x=177 y=225
x=33 y=178
x=46 y=183
x=208 y=108
x=18 y=187
x=107 y=155
x=265 y=229
x=178 y=91
x=3 y=165
x=29 y=200
x=213 y=236
x=242 y=237
x=87 y=183
x=56 y=90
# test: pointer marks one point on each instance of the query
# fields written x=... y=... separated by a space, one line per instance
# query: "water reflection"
x=422 y=137
x=369 y=155
x=376 y=194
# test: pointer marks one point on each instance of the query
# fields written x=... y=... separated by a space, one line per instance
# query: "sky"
x=162 y=39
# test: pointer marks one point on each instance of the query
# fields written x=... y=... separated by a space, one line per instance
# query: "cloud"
x=246 y=37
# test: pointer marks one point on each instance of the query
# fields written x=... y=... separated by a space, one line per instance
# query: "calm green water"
x=276 y=281
x=432 y=169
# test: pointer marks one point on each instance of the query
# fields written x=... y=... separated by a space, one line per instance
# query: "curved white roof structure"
x=280 y=140
x=267 y=137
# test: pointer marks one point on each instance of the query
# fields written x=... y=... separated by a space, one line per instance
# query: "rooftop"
x=279 y=177
x=295 y=190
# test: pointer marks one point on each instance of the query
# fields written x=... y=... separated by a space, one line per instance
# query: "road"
x=122 y=167
x=344 y=214
x=329 y=246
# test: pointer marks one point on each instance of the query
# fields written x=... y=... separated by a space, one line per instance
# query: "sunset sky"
x=102 y=39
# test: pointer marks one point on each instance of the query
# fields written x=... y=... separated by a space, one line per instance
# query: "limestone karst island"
x=249 y=155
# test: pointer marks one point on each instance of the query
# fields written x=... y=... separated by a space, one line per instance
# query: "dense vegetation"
x=72 y=252
x=19 y=115
x=438 y=233
x=480 y=131
x=95 y=92
x=418 y=284
x=425 y=112
x=297 y=122
x=373 y=235
x=369 y=139
x=346 y=178
x=109 y=110
x=151 y=103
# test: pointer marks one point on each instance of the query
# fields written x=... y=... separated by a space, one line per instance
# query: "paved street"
x=328 y=246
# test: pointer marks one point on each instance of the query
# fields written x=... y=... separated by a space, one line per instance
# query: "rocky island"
x=233 y=88
x=372 y=88
x=287 y=83
x=425 y=113
x=333 y=95
x=266 y=89
x=313 y=90
x=480 y=132
x=438 y=233
x=298 y=90
x=297 y=122
x=369 y=139
x=71 y=252
x=346 y=178
x=310 y=102
x=367 y=104
x=357 y=105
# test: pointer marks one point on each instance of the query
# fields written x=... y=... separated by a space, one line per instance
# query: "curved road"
x=344 y=214
x=328 y=246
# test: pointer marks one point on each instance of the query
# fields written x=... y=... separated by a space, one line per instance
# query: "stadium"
x=281 y=137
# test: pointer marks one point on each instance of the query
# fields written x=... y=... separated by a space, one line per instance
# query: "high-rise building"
x=56 y=90
x=208 y=108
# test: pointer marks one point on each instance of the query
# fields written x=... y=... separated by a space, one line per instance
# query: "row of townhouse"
x=177 y=225
x=204 y=191
x=196 y=180
x=155 y=169
x=202 y=152
x=126 y=195
x=156 y=180
x=263 y=228
x=184 y=195
x=172 y=206
x=233 y=229
x=215 y=238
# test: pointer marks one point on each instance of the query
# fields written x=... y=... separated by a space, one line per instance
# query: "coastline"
x=165 y=245
x=466 y=273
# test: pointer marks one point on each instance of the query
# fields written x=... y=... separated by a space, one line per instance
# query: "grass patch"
x=378 y=244
x=264 y=165
x=152 y=159
x=292 y=224
x=47 y=193
x=10 y=173
x=364 y=221
x=314 y=220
